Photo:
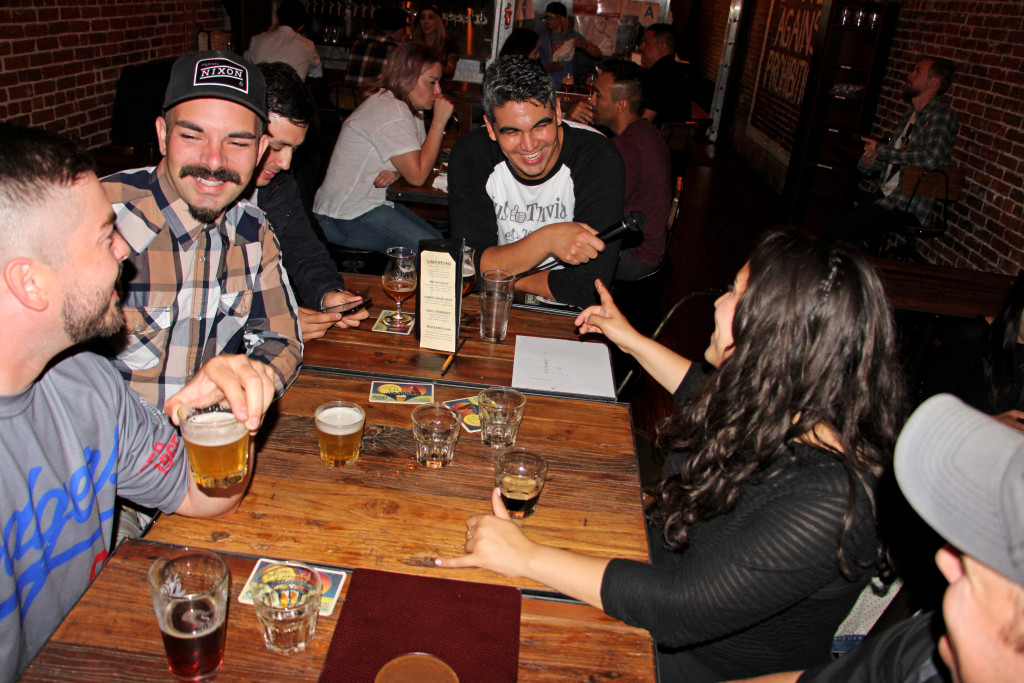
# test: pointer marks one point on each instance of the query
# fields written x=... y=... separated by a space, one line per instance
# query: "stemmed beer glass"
x=399 y=280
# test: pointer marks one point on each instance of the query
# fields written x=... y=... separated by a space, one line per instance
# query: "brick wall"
x=60 y=59
x=985 y=38
x=712 y=19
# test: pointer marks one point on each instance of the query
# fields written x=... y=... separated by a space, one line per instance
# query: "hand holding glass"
x=217 y=445
x=520 y=474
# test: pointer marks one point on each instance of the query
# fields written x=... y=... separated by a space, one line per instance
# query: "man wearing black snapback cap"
x=963 y=473
x=207 y=293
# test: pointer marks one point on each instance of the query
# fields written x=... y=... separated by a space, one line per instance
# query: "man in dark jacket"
x=313 y=275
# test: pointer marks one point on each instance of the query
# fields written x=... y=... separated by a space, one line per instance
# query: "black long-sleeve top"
x=312 y=272
x=758 y=589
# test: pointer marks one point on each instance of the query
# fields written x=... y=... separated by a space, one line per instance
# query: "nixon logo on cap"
x=222 y=72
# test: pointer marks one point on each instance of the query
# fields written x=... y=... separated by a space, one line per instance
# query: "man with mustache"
x=72 y=435
x=924 y=137
x=205 y=291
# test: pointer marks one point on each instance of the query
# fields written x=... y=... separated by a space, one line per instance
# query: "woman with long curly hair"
x=763 y=531
x=385 y=138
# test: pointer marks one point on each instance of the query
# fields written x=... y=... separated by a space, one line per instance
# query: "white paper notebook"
x=563 y=366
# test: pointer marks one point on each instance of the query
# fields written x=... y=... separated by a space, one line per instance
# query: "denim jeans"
x=378 y=229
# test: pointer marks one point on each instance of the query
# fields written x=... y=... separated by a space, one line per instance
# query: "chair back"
x=678 y=134
x=944 y=183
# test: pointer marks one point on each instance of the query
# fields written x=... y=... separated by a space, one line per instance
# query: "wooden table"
x=941 y=290
x=479 y=363
x=387 y=512
x=112 y=635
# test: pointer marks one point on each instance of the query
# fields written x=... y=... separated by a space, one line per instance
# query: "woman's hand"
x=443 y=109
x=1012 y=419
x=608 y=320
x=493 y=542
x=386 y=178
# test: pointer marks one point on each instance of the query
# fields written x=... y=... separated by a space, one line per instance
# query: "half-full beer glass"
x=190 y=596
x=339 y=429
x=217 y=445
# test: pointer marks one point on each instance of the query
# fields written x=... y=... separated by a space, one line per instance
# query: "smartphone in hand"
x=349 y=307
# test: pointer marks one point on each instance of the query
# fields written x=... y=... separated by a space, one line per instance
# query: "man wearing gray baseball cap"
x=963 y=472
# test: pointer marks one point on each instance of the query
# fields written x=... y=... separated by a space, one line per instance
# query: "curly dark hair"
x=813 y=347
x=516 y=79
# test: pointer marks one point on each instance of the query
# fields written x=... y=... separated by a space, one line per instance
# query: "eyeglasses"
x=552 y=16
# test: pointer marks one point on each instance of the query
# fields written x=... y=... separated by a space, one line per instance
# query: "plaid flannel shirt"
x=367 y=59
x=930 y=147
x=194 y=291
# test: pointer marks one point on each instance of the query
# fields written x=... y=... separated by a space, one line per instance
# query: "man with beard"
x=313 y=274
x=205 y=280
x=72 y=435
x=924 y=137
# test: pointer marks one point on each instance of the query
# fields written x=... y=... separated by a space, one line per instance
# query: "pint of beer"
x=217 y=445
x=190 y=588
x=339 y=428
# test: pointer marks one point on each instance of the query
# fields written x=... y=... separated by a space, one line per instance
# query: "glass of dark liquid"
x=520 y=474
x=190 y=596
x=399 y=280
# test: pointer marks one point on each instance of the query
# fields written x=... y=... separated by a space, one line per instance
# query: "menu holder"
x=472 y=627
x=438 y=294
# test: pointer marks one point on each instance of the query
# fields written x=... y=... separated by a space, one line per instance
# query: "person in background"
x=285 y=43
x=557 y=40
x=667 y=86
x=370 y=53
x=982 y=362
x=72 y=435
x=762 y=532
x=528 y=189
x=313 y=274
x=522 y=41
x=964 y=475
x=385 y=138
x=207 y=291
x=924 y=137
x=428 y=28
x=616 y=105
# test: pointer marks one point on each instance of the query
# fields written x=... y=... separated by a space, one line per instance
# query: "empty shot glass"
x=436 y=429
x=501 y=411
x=217 y=445
x=339 y=430
x=286 y=596
x=190 y=596
x=520 y=474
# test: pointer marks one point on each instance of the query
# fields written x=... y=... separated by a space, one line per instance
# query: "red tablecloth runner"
x=473 y=627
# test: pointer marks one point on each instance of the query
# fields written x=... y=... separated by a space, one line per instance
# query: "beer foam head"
x=213 y=429
x=340 y=420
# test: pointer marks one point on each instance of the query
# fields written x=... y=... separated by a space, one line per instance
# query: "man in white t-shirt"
x=530 y=189
x=285 y=43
